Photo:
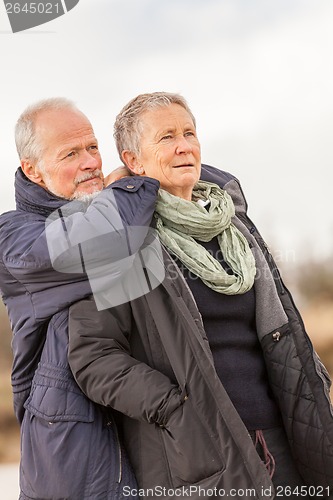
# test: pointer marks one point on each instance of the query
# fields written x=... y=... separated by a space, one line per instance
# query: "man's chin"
x=85 y=197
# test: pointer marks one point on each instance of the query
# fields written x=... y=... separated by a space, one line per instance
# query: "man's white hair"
x=27 y=143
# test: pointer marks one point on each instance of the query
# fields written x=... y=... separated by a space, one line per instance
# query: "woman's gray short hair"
x=27 y=143
x=128 y=127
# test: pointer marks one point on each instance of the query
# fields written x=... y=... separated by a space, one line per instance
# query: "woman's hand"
x=116 y=174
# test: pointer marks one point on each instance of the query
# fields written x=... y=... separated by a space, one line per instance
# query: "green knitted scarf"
x=180 y=223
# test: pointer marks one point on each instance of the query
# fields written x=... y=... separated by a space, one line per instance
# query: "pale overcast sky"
x=257 y=74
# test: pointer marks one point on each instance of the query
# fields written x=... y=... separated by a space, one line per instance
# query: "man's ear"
x=131 y=161
x=32 y=172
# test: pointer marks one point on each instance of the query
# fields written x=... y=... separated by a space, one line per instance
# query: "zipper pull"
x=276 y=336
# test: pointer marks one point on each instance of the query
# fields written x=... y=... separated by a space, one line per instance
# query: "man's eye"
x=166 y=137
x=189 y=134
x=72 y=153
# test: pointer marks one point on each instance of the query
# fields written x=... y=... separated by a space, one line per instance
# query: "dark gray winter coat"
x=150 y=359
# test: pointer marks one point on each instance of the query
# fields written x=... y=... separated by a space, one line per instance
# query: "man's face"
x=70 y=166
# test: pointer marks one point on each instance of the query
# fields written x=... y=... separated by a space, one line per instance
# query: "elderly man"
x=60 y=427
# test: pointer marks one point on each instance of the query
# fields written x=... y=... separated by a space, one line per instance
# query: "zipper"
x=273 y=337
x=112 y=424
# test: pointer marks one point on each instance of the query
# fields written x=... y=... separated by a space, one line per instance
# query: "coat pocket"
x=56 y=397
x=191 y=450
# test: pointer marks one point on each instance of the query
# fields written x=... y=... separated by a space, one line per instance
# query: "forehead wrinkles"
x=80 y=136
x=67 y=134
x=166 y=119
x=54 y=128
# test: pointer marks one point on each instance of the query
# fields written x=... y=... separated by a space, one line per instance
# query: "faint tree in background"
x=315 y=280
x=9 y=428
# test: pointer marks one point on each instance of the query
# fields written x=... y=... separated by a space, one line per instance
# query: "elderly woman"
x=219 y=386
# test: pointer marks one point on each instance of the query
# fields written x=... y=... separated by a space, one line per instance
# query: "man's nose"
x=90 y=161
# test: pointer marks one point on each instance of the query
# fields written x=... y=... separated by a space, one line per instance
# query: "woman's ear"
x=131 y=161
x=32 y=172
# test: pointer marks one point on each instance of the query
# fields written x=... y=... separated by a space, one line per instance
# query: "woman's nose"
x=183 y=145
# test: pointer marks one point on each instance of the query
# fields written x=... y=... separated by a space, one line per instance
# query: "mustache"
x=89 y=175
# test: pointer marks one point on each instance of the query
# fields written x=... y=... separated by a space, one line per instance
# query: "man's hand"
x=117 y=174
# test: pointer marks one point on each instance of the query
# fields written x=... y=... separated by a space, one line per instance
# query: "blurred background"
x=258 y=76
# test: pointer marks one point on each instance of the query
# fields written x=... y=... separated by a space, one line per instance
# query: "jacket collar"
x=31 y=197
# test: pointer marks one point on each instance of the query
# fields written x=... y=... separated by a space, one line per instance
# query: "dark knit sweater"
x=229 y=322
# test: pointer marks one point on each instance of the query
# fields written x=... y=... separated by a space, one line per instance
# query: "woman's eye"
x=72 y=153
x=166 y=137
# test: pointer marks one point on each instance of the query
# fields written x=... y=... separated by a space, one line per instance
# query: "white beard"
x=86 y=198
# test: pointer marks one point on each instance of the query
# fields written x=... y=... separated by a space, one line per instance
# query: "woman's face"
x=170 y=150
